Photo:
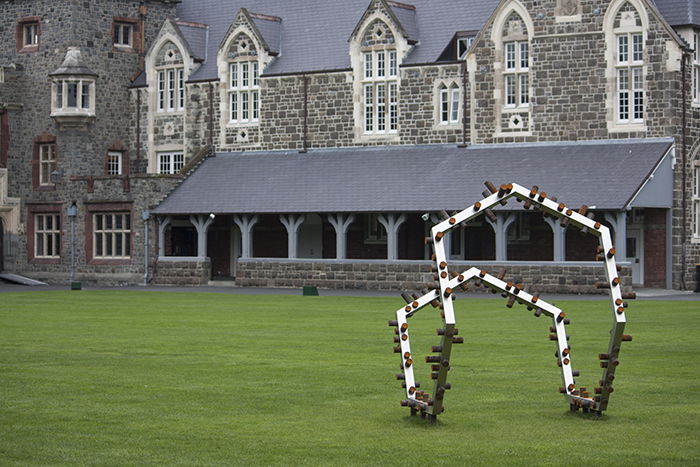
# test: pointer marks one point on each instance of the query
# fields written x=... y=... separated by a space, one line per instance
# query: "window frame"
x=119 y=157
x=629 y=63
x=696 y=67
x=173 y=166
x=92 y=209
x=170 y=89
x=49 y=238
x=84 y=89
x=21 y=34
x=449 y=103
x=516 y=94
x=44 y=209
x=135 y=45
x=380 y=109
x=243 y=92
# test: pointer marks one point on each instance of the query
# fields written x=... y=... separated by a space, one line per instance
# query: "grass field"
x=110 y=377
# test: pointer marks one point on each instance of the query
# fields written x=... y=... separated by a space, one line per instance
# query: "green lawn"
x=112 y=377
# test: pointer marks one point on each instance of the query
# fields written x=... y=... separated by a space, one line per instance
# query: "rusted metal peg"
x=511 y=301
x=502 y=274
x=407 y=298
x=564 y=222
x=533 y=191
x=443 y=215
x=527 y=204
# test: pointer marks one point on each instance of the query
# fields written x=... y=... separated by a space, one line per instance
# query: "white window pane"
x=392 y=63
x=455 y=105
x=234 y=106
x=510 y=55
x=622 y=48
x=524 y=55
x=368 y=65
x=234 y=75
x=637 y=47
x=381 y=65
x=524 y=90
x=245 y=75
x=444 y=106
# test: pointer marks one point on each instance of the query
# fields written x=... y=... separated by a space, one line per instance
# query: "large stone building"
x=284 y=143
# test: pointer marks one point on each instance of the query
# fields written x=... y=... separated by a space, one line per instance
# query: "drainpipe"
x=304 y=146
x=464 y=105
x=211 y=117
x=684 y=157
x=145 y=215
x=138 y=127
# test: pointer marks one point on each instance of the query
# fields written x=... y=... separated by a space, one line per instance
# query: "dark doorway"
x=219 y=250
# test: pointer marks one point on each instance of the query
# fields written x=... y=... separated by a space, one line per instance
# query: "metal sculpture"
x=442 y=296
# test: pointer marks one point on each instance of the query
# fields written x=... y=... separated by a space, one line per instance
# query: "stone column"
x=292 y=222
x=163 y=222
x=500 y=227
x=391 y=223
x=340 y=223
x=202 y=222
x=618 y=221
x=559 y=237
x=246 y=223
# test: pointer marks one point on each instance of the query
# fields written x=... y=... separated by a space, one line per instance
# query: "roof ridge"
x=265 y=17
x=405 y=6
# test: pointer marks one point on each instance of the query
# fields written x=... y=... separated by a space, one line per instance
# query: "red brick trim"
x=21 y=48
x=44 y=138
x=32 y=210
x=136 y=34
x=94 y=208
x=4 y=137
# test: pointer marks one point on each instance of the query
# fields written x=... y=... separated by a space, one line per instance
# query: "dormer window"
x=463 y=44
x=243 y=82
x=380 y=91
x=73 y=91
x=516 y=74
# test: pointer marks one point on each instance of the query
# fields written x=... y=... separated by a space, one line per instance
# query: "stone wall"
x=577 y=278
x=181 y=272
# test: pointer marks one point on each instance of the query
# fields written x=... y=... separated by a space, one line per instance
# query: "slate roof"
x=605 y=174
x=680 y=12
x=196 y=37
x=271 y=31
x=314 y=33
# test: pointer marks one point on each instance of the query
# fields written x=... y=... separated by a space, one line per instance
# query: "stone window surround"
x=389 y=84
x=42 y=140
x=22 y=23
x=448 y=85
x=500 y=108
x=611 y=34
x=106 y=208
x=118 y=147
x=696 y=67
x=62 y=84
x=224 y=73
x=152 y=94
x=247 y=84
x=136 y=44
x=402 y=47
x=32 y=211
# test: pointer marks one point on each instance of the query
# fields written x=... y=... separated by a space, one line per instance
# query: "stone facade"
x=571 y=97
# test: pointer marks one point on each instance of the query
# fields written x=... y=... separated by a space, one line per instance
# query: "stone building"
x=284 y=143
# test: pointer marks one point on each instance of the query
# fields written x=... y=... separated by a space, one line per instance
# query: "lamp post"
x=145 y=215
x=72 y=213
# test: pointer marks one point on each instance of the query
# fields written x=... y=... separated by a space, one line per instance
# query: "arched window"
x=380 y=88
x=516 y=59
x=243 y=81
x=625 y=28
x=449 y=103
x=170 y=79
x=512 y=29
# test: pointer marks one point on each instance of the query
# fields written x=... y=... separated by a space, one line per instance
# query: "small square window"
x=123 y=34
x=28 y=34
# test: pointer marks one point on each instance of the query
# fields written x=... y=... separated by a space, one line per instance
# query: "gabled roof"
x=680 y=12
x=196 y=37
x=406 y=178
x=313 y=33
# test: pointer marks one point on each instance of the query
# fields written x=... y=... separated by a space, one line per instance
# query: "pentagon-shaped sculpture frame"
x=442 y=297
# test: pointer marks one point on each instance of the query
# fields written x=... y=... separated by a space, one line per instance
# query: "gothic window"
x=516 y=59
x=170 y=79
x=626 y=37
x=243 y=89
x=379 y=81
x=449 y=104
